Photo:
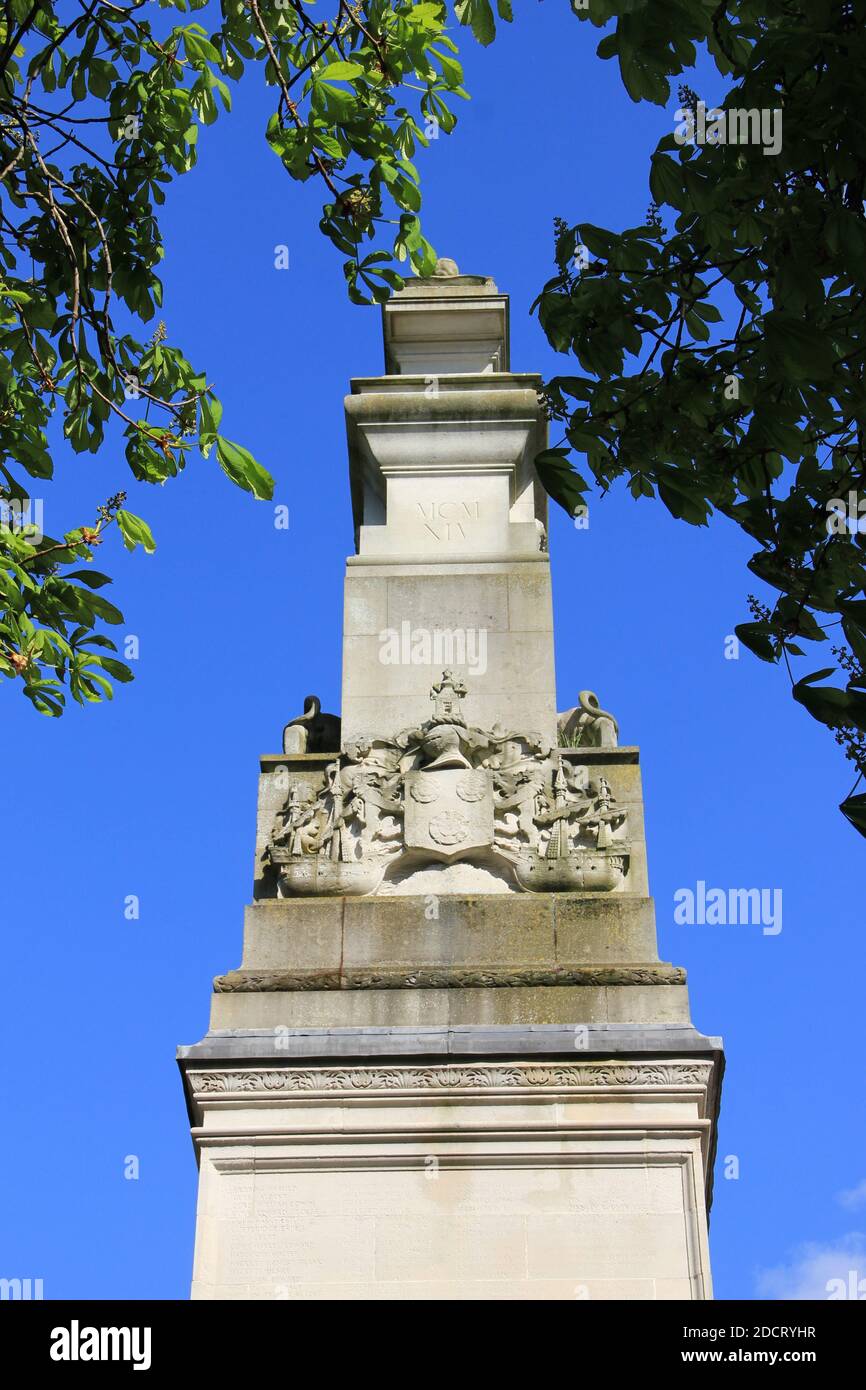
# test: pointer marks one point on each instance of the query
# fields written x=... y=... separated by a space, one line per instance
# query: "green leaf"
x=103 y=609
x=666 y=181
x=117 y=669
x=683 y=499
x=92 y=578
x=211 y=412
x=816 y=676
x=135 y=532
x=341 y=72
x=478 y=14
x=239 y=465
x=856 y=639
x=559 y=480
x=200 y=50
x=838 y=708
x=805 y=353
x=754 y=636
x=854 y=810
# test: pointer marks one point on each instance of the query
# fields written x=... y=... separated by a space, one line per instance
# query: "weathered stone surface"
x=531 y=931
x=480 y=1006
x=597 y=928
x=446 y=977
x=530 y=607
x=365 y=606
x=465 y=932
x=482 y=603
x=277 y=936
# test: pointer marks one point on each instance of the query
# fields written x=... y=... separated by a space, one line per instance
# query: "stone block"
x=365 y=604
x=607 y=1245
x=499 y=931
x=300 y=935
x=478 y=601
x=530 y=606
x=603 y=927
x=468 y=932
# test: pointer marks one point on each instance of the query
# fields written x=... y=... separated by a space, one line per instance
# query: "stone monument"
x=451 y=1064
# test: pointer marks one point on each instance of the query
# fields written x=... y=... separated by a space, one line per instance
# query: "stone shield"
x=448 y=811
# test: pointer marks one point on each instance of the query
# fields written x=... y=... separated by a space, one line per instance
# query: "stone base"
x=499 y=960
x=538 y=1174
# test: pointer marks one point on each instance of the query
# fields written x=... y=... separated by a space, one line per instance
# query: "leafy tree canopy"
x=101 y=107
x=719 y=344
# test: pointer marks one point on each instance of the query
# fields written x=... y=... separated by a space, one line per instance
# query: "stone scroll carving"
x=587 y=725
x=312 y=731
x=445 y=792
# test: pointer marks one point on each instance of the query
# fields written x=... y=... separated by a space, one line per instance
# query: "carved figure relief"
x=443 y=792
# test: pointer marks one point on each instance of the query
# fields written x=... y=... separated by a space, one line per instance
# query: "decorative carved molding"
x=506 y=1076
x=425 y=977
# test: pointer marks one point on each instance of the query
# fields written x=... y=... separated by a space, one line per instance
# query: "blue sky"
x=154 y=795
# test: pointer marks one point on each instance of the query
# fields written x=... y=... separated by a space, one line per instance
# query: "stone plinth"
x=454 y=325
x=487 y=960
x=506 y=1101
x=518 y=1177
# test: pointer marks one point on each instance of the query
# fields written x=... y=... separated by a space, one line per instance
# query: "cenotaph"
x=451 y=1064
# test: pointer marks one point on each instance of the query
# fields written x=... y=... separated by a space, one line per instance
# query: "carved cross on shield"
x=448 y=811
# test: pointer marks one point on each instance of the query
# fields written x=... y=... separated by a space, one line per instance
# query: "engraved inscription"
x=448 y=521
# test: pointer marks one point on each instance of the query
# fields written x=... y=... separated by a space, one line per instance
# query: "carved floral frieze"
x=507 y=1076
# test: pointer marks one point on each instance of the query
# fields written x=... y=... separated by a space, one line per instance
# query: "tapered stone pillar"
x=451 y=1064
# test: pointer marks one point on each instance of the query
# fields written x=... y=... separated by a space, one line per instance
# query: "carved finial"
x=445 y=268
x=446 y=694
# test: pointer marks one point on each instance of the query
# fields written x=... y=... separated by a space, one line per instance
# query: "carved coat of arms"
x=447 y=791
x=448 y=812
